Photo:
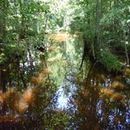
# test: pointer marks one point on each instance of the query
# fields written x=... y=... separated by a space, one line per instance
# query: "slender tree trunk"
x=127 y=57
x=128 y=60
x=97 y=23
x=126 y=52
x=4 y=6
x=97 y=41
x=3 y=73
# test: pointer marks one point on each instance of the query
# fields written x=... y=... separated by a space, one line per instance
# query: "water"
x=64 y=97
x=64 y=101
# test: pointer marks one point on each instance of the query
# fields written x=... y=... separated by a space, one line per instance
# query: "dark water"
x=64 y=100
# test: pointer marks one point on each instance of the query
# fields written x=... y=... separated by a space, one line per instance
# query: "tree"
x=103 y=41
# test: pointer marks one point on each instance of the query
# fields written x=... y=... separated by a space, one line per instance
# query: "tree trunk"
x=3 y=73
x=97 y=41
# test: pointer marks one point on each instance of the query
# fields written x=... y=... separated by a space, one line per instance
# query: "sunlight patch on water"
x=62 y=101
x=64 y=97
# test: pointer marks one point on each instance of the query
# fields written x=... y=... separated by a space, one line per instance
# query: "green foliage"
x=104 y=25
x=59 y=120
x=25 y=48
x=110 y=61
x=2 y=58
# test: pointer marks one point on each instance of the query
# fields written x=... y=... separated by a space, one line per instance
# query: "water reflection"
x=64 y=97
x=116 y=118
